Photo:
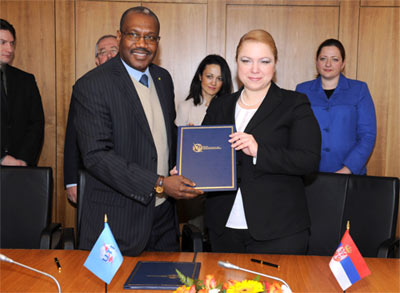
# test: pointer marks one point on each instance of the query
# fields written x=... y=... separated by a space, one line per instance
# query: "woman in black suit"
x=277 y=141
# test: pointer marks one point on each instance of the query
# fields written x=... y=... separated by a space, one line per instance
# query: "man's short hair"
x=99 y=40
x=139 y=9
x=5 y=25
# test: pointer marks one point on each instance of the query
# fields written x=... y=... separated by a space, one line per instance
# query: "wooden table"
x=302 y=273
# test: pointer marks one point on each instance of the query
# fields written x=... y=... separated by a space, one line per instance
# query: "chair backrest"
x=372 y=209
x=80 y=198
x=370 y=203
x=326 y=198
x=26 y=204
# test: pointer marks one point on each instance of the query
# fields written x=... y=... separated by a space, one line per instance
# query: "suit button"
x=327 y=149
x=154 y=159
x=326 y=129
x=238 y=163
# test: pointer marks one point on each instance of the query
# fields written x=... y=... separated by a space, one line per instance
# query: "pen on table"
x=58 y=264
x=265 y=263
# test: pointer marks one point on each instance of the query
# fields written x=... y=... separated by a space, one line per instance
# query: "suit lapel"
x=12 y=86
x=271 y=101
x=127 y=89
x=229 y=108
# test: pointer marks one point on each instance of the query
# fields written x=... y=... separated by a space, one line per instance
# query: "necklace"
x=244 y=103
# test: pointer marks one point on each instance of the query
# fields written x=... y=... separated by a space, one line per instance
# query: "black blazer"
x=289 y=143
x=22 y=134
x=119 y=153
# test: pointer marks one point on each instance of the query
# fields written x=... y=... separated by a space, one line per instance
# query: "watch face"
x=159 y=189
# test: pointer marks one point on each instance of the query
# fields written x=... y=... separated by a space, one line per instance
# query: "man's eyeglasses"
x=103 y=53
x=135 y=37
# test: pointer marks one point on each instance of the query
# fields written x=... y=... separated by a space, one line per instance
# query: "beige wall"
x=56 y=43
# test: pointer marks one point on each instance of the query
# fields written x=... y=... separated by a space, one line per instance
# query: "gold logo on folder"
x=198 y=148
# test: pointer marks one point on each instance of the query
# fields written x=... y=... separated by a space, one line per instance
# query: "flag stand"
x=105 y=287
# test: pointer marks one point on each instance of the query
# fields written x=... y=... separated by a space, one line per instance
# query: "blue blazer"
x=347 y=121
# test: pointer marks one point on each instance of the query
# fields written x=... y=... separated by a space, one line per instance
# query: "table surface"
x=302 y=273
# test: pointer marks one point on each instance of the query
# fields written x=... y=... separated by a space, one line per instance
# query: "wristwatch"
x=159 y=188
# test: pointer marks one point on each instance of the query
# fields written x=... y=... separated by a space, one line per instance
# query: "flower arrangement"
x=209 y=285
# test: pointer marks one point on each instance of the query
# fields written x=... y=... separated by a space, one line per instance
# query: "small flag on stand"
x=347 y=264
x=105 y=258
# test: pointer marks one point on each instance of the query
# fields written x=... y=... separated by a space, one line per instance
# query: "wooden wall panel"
x=183 y=41
x=348 y=34
x=379 y=66
x=287 y=2
x=89 y=29
x=65 y=78
x=394 y=3
x=297 y=32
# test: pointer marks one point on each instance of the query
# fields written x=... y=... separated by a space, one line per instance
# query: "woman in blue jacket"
x=344 y=110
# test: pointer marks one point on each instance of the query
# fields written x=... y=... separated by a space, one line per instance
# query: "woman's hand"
x=344 y=170
x=244 y=142
x=173 y=171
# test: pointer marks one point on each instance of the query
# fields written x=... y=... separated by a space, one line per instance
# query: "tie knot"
x=144 y=80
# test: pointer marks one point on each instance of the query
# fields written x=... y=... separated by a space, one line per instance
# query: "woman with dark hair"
x=212 y=79
x=345 y=112
x=277 y=141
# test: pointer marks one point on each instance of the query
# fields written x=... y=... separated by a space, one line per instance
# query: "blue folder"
x=160 y=275
x=206 y=157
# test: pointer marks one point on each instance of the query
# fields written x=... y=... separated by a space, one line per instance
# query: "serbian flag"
x=347 y=264
x=105 y=258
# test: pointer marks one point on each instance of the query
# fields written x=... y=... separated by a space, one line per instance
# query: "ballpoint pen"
x=58 y=264
x=265 y=263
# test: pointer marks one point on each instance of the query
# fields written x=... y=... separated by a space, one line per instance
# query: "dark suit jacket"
x=289 y=143
x=22 y=134
x=119 y=153
x=72 y=155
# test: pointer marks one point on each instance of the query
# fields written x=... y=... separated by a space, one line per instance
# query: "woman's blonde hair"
x=258 y=36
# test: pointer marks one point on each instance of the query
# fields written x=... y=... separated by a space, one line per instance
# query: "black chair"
x=370 y=203
x=372 y=209
x=26 y=208
x=326 y=198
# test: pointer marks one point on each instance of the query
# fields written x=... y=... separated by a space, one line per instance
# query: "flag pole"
x=347 y=225
x=105 y=284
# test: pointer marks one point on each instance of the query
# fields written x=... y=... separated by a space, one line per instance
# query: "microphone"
x=7 y=259
x=228 y=265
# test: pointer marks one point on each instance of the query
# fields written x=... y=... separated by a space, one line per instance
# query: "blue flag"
x=105 y=258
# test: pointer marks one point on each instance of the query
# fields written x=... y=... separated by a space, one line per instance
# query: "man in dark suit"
x=106 y=48
x=22 y=118
x=125 y=116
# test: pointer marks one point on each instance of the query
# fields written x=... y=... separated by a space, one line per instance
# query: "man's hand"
x=72 y=193
x=11 y=161
x=179 y=187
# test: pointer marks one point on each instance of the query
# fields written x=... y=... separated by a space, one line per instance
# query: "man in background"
x=125 y=116
x=22 y=117
x=106 y=48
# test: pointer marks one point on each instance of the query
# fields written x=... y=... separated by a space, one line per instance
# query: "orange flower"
x=210 y=282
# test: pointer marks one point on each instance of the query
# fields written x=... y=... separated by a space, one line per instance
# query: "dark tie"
x=144 y=80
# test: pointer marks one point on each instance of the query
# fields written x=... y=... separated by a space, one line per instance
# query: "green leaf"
x=185 y=280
